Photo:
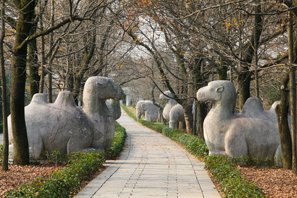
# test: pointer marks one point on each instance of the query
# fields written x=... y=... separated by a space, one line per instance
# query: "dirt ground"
x=274 y=182
x=18 y=175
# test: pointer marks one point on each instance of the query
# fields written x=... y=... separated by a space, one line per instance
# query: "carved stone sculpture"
x=62 y=126
x=147 y=109
x=176 y=116
x=172 y=112
x=96 y=91
x=170 y=103
x=253 y=132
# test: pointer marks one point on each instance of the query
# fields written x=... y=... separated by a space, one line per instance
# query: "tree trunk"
x=42 y=62
x=34 y=78
x=292 y=88
x=244 y=81
x=50 y=76
x=244 y=76
x=257 y=10
x=23 y=27
x=88 y=55
x=33 y=61
x=200 y=108
x=222 y=70
x=200 y=114
x=188 y=116
x=284 y=130
x=3 y=94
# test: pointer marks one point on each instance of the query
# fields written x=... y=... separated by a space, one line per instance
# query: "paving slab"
x=151 y=165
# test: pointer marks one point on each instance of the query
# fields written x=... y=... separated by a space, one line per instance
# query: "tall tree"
x=292 y=88
x=3 y=94
x=25 y=9
x=244 y=75
x=282 y=111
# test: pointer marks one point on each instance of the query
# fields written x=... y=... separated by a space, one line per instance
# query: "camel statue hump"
x=39 y=98
x=65 y=98
x=252 y=107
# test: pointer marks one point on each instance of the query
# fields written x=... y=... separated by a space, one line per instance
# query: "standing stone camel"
x=172 y=112
x=62 y=126
x=252 y=133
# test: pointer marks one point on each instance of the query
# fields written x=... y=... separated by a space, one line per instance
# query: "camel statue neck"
x=172 y=101
x=223 y=109
x=93 y=105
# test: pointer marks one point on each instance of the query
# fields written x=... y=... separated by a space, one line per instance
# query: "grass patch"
x=222 y=168
x=80 y=167
x=130 y=111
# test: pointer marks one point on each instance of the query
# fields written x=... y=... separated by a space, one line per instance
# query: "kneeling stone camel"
x=253 y=132
x=62 y=126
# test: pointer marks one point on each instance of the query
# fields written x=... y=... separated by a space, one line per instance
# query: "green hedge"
x=117 y=143
x=221 y=167
x=231 y=181
x=66 y=182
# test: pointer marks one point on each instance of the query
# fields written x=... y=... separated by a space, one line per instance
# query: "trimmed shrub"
x=232 y=183
x=65 y=182
x=117 y=143
x=80 y=167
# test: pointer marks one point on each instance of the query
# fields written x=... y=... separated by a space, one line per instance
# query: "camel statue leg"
x=36 y=146
x=235 y=144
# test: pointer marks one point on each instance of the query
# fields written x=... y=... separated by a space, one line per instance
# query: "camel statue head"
x=103 y=88
x=218 y=92
x=97 y=89
x=167 y=95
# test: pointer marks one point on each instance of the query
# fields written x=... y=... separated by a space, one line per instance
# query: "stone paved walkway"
x=151 y=165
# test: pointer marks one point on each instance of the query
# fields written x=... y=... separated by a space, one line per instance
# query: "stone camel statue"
x=252 y=133
x=96 y=91
x=62 y=126
x=172 y=112
x=147 y=109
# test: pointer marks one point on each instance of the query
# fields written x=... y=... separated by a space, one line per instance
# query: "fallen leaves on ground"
x=274 y=182
x=18 y=175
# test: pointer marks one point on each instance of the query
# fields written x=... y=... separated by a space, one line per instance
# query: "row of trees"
x=247 y=40
x=49 y=46
x=168 y=44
